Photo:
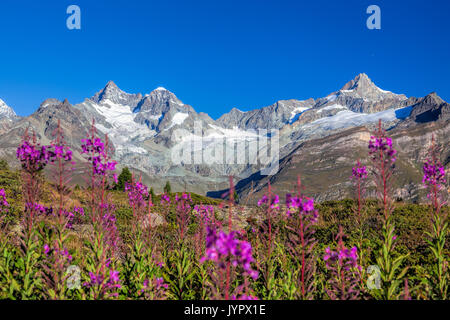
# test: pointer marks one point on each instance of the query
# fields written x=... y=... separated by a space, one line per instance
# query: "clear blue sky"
x=215 y=55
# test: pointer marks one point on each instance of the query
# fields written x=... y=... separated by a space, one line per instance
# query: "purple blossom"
x=348 y=258
x=205 y=213
x=62 y=152
x=165 y=199
x=97 y=156
x=39 y=209
x=184 y=196
x=33 y=157
x=303 y=205
x=136 y=194
x=433 y=174
x=113 y=281
x=274 y=201
x=359 y=172
x=79 y=210
x=223 y=246
x=381 y=146
x=3 y=203
x=58 y=254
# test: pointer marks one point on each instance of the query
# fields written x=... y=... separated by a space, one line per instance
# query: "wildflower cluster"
x=60 y=254
x=165 y=199
x=381 y=146
x=273 y=203
x=61 y=152
x=205 y=212
x=95 y=149
x=359 y=172
x=137 y=192
x=3 y=202
x=221 y=247
x=186 y=253
x=343 y=265
x=433 y=174
x=106 y=283
x=348 y=258
x=302 y=205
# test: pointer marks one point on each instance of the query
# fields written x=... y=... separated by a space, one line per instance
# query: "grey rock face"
x=113 y=93
x=274 y=116
x=430 y=108
x=142 y=128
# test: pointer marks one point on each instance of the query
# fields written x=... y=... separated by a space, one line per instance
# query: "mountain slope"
x=148 y=131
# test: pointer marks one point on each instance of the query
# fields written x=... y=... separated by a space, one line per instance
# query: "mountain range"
x=320 y=139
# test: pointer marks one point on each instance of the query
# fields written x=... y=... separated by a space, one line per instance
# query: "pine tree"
x=152 y=193
x=125 y=176
x=167 y=188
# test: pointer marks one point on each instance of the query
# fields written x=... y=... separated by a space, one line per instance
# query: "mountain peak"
x=111 y=84
x=6 y=111
x=362 y=80
x=114 y=94
x=433 y=98
x=363 y=87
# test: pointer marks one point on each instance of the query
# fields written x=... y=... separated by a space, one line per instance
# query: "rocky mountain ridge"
x=146 y=130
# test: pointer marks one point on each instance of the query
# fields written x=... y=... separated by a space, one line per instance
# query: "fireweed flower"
x=359 y=172
x=60 y=255
x=61 y=152
x=154 y=289
x=344 y=269
x=79 y=210
x=110 y=284
x=303 y=205
x=39 y=209
x=33 y=157
x=46 y=249
x=184 y=196
x=274 y=201
x=382 y=145
x=165 y=199
x=136 y=194
x=224 y=247
x=3 y=203
x=347 y=258
x=433 y=174
x=95 y=149
x=205 y=213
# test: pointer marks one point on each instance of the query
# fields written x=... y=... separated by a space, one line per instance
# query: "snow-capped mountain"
x=275 y=116
x=146 y=129
x=6 y=112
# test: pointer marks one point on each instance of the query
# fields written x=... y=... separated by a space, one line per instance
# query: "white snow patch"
x=124 y=130
x=295 y=114
x=155 y=117
x=177 y=119
x=349 y=118
x=331 y=97
x=333 y=106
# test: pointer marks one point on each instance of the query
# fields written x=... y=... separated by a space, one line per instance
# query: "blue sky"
x=215 y=55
